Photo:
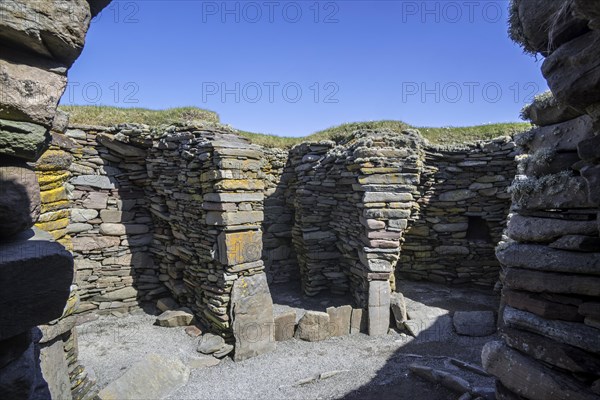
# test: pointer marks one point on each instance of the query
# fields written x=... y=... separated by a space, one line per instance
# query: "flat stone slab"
x=542 y=258
x=339 y=320
x=240 y=247
x=155 y=377
x=94 y=181
x=427 y=323
x=174 y=318
x=398 y=306
x=210 y=344
x=285 y=326
x=528 y=377
x=203 y=362
x=313 y=326
x=35 y=280
x=56 y=370
x=474 y=323
x=252 y=315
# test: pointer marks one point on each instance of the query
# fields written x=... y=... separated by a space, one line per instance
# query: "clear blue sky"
x=292 y=68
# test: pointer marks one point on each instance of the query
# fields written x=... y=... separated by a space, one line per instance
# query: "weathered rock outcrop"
x=550 y=256
x=39 y=40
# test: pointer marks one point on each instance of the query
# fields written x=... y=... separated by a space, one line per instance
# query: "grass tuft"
x=109 y=116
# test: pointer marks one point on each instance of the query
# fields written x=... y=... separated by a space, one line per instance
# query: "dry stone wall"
x=550 y=256
x=40 y=40
x=111 y=225
x=384 y=204
x=207 y=199
x=461 y=213
x=281 y=263
x=187 y=211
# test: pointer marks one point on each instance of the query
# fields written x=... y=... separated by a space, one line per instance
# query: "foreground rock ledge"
x=35 y=277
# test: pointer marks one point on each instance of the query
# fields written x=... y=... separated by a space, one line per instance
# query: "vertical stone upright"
x=205 y=184
x=388 y=177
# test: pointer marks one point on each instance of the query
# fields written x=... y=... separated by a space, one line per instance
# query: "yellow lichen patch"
x=240 y=184
x=67 y=242
x=240 y=247
x=71 y=305
x=54 y=215
x=49 y=180
x=58 y=235
x=54 y=195
x=54 y=160
x=57 y=205
x=53 y=225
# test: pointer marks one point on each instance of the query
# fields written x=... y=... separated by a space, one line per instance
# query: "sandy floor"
x=367 y=368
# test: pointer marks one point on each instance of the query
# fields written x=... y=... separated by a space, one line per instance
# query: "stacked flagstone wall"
x=40 y=40
x=206 y=190
x=186 y=211
x=280 y=258
x=111 y=224
x=64 y=374
x=550 y=316
x=462 y=209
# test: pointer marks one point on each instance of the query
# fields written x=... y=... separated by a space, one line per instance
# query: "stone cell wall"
x=171 y=211
x=461 y=213
x=451 y=204
x=281 y=263
x=550 y=314
x=66 y=377
x=110 y=222
x=186 y=211
x=207 y=200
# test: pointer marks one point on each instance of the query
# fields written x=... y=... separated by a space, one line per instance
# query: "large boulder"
x=30 y=89
x=53 y=29
x=313 y=326
x=20 y=202
x=573 y=72
x=541 y=26
x=35 y=279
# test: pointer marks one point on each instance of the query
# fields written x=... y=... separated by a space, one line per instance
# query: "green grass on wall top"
x=108 y=116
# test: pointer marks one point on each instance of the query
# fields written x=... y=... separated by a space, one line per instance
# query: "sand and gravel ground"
x=362 y=367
